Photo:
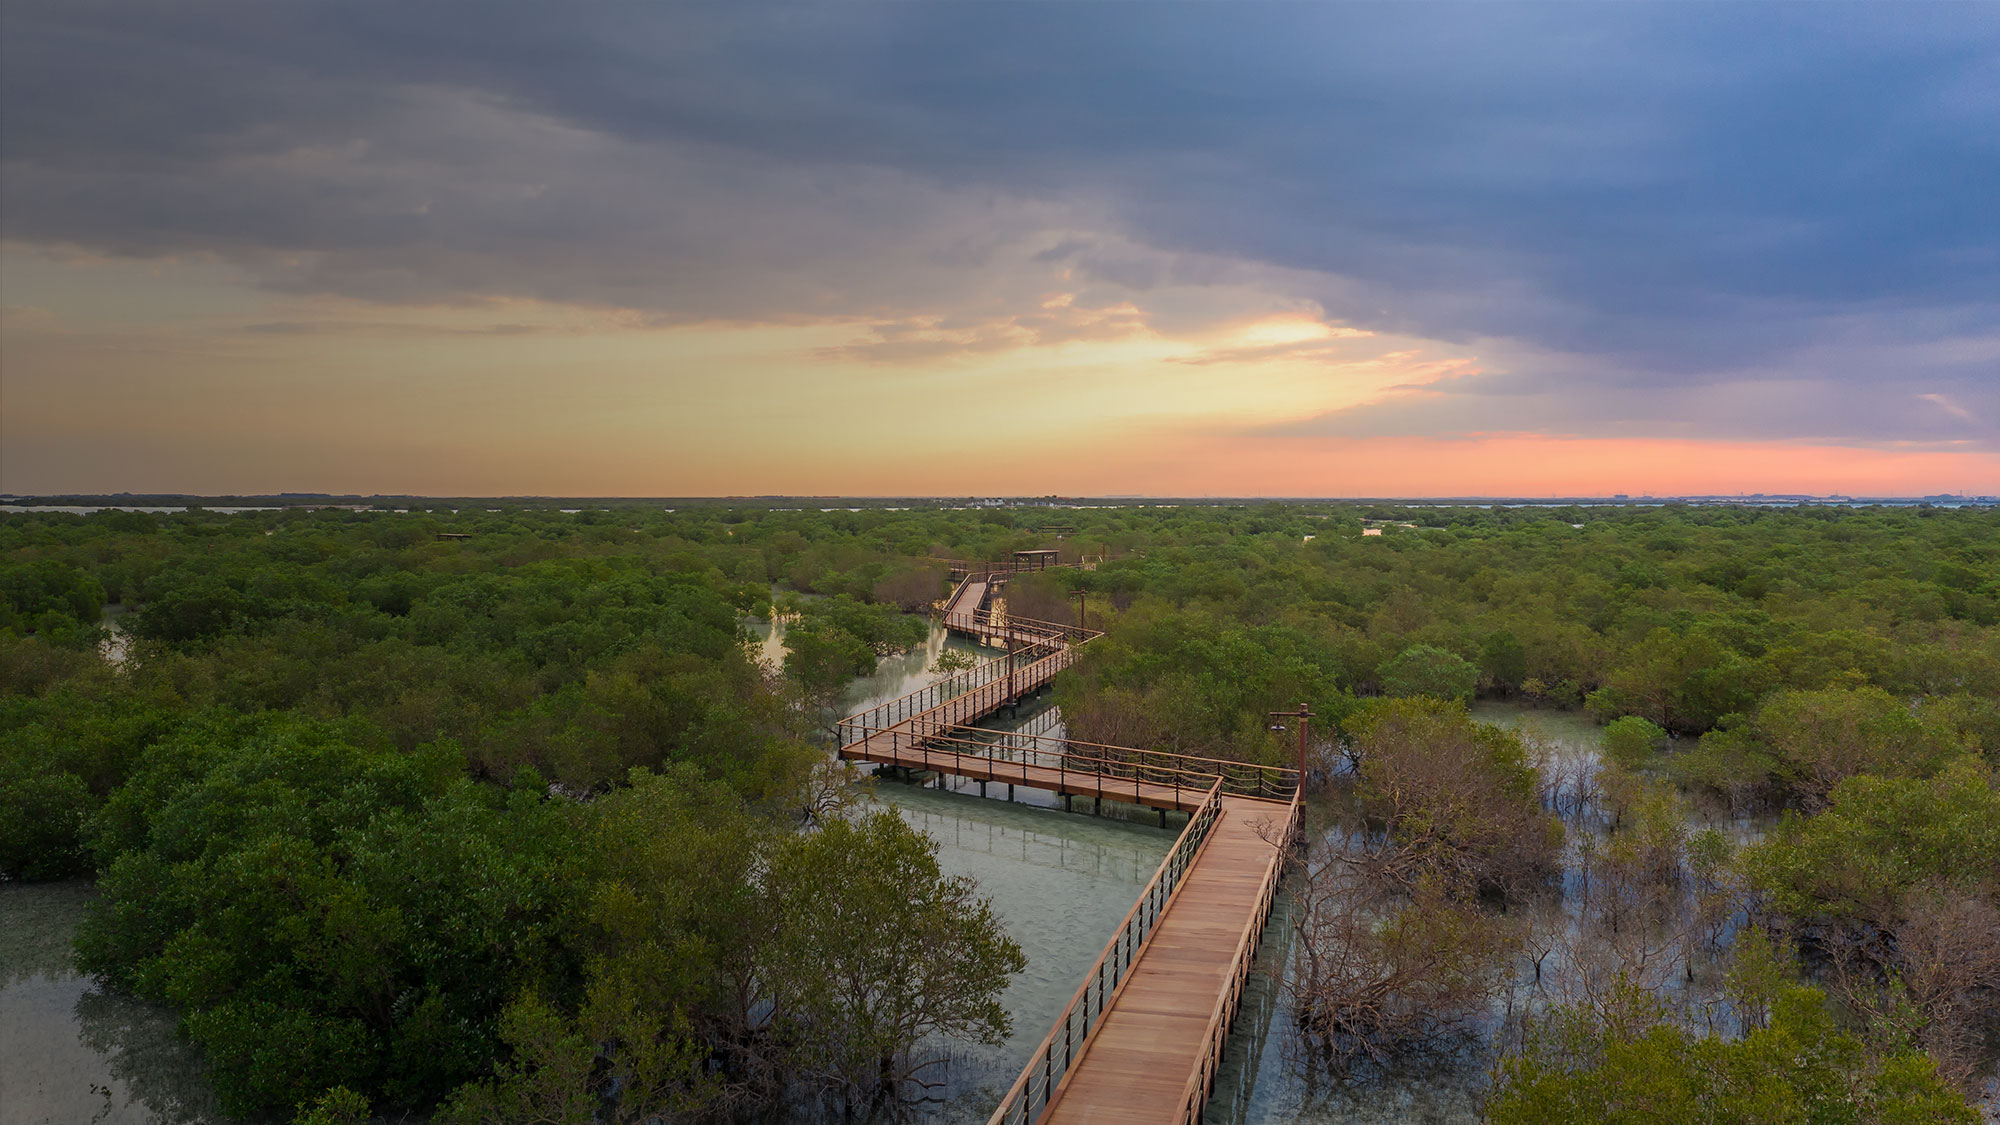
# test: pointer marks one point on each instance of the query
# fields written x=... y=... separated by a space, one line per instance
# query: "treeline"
x=485 y=828
x=313 y=703
x=1842 y=668
x=1693 y=619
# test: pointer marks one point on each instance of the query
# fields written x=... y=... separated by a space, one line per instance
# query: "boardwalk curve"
x=1142 y=1037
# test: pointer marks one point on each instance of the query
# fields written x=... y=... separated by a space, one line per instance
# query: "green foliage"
x=1880 y=838
x=42 y=818
x=61 y=753
x=884 y=629
x=953 y=660
x=722 y=950
x=833 y=640
x=49 y=598
x=1761 y=970
x=1429 y=670
x=559 y=1069
x=336 y=1106
x=1185 y=681
x=1578 y=1069
x=1682 y=681
x=1727 y=761
x=900 y=954
x=1503 y=660
x=1631 y=742
x=1821 y=737
x=361 y=798
x=324 y=912
x=1972 y=721
x=822 y=659
x=188 y=605
x=1459 y=798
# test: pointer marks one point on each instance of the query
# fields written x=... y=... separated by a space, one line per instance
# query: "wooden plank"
x=1145 y=1049
x=1136 y=1067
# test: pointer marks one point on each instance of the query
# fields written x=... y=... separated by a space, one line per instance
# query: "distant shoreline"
x=286 y=500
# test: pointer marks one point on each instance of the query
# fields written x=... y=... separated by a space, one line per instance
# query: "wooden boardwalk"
x=894 y=732
x=1142 y=1037
x=1152 y=1058
x=967 y=600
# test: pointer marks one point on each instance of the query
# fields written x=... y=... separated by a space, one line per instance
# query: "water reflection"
x=894 y=676
x=1060 y=882
x=1266 y=1076
x=70 y=1052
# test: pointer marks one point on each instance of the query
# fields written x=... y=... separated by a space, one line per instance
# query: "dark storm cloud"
x=1639 y=200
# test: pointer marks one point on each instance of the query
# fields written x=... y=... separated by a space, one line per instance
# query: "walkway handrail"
x=1099 y=777
x=1024 y=630
x=1159 y=767
x=981 y=620
x=1029 y=1097
x=959 y=684
x=1063 y=629
x=940 y=705
x=1239 y=779
x=1201 y=1083
x=1009 y=566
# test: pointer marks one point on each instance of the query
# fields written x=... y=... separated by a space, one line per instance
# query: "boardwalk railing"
x=1239 y=779
x=959 y=567
x=1174 y=780
x=1022 y=628
x=1029 y=1097
x=930 y=729
x=977 y=619
x=958 y=686
x=1201 y=1083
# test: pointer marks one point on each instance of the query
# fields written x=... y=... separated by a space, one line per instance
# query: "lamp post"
x=1304 y=716
x=1079 y=609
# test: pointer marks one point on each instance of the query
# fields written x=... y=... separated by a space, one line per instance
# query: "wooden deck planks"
x=967 y=598
x=1081 y=783
x=897 y=746
x=1136 y=1066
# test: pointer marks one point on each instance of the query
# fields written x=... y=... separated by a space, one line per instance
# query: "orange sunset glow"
x=512 y=285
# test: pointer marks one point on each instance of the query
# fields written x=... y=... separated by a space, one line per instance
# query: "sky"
x=940 y=247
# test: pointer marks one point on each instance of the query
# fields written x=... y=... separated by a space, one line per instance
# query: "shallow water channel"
x=70 y=1052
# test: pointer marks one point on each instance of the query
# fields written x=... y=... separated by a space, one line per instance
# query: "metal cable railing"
x=1028 y=1098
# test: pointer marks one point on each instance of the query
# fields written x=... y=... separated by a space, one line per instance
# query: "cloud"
x=1945 y=403
x=1759 y=220
x=1058 y=321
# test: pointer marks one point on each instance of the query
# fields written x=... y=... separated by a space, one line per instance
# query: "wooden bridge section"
x=1143 y=1036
